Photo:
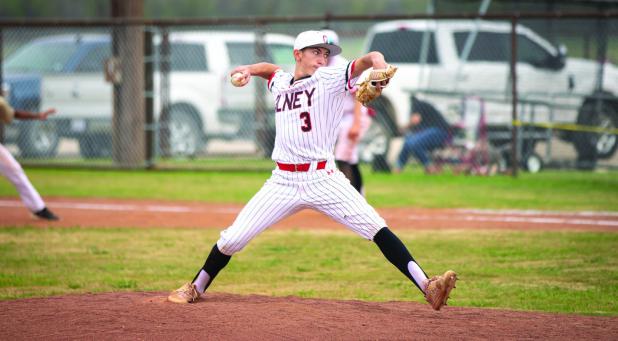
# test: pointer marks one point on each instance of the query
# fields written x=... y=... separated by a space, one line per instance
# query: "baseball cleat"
x=46 y=214
x=185 y=294
x=439 y=288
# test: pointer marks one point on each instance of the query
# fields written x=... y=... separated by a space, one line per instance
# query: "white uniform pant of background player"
x=285 y=193
x=346 y=149
x=10 y=168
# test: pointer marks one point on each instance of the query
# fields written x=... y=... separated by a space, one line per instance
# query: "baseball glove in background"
x=372 y=87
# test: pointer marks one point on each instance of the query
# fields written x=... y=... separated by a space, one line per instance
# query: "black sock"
x=351 y=172
x=345 y=168
x=358 y=179
x=396 y=253
x=214 y=263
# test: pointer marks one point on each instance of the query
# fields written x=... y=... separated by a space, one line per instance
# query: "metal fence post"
x=164 y=52
x=514 y=126
x=261 y=132
x=149 y=99
x=1 y=83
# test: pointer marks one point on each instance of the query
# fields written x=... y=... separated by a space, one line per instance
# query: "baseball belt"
x=300 y=167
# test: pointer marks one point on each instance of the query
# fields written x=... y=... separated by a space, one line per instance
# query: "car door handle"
x=75 y=93
x=571 y=82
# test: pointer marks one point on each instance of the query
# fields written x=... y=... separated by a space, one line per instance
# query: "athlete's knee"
x=370 y=234
x=230 y=246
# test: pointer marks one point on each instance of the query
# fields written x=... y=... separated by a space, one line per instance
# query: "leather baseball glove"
x=372 y=87
x=6 y=112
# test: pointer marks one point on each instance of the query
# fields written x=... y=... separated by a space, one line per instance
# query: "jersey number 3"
x=306 y=118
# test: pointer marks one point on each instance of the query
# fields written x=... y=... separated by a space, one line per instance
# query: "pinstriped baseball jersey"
x=347 y=149
x=308 y=112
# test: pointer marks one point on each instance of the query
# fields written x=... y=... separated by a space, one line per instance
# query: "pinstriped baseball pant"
x=285 y=193
x=10 y=168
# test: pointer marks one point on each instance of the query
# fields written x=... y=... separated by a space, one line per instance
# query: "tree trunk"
x=128 y=135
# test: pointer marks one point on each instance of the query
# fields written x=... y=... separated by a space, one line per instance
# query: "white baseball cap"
x=332 y=35
x=316 y=39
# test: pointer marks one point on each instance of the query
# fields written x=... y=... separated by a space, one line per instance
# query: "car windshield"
x=405 y=46
x=45 y=57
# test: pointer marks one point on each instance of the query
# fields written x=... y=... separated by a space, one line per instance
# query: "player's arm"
x=28 y=115
x=263 y=70
x=373 y=59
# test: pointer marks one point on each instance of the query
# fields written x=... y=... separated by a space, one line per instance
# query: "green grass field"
x=566 y=272
x=557 y=272
x=550 y=190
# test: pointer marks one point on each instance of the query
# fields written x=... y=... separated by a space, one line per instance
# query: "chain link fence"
x=158 y=94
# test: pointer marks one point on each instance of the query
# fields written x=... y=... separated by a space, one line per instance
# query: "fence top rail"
x=49 y=22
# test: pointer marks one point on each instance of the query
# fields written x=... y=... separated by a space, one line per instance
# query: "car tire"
x=38 y=139
x=590 y=145
x=181 y=135
x=95 y=146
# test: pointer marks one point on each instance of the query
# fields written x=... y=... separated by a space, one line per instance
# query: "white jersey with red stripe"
x=308 y=112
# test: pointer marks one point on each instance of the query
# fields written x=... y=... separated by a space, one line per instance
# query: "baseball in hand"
x=237 y=79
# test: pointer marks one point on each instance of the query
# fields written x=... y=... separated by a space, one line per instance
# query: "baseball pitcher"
x=308 y=110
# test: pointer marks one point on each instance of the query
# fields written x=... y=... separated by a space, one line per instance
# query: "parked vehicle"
x=446 y=60
x=66 y=72
x=34 y=138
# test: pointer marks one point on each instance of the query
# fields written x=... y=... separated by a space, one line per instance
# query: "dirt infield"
x=139 y=316
x=123 y=315
x=145 y=214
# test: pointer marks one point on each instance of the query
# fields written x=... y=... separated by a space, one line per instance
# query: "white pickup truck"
x=69 y=73
x=444 y=61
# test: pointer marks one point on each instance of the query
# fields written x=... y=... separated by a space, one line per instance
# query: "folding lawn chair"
x=468 y=150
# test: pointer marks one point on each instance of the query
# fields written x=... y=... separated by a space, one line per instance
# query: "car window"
x=282 y=54
x=188 y=57
x=530 y=52
x=488 y=46
x=404 y=46
x=241 y=53
x=496 y=47
x=44 y=57
x=93 y=60
x=244 y=53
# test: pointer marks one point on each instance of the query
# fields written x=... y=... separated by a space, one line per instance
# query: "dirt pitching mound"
x=147 y=315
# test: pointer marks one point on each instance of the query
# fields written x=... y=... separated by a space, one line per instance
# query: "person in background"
x=354 y=123
x=427 y=130
x=10 y=168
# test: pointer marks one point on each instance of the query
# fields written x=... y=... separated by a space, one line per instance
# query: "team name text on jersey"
x=292 y=100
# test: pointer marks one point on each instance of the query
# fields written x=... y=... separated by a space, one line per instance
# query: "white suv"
x=444 y=61
x=200 y=108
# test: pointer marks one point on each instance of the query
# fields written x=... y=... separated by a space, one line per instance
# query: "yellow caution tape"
x=566 y=126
